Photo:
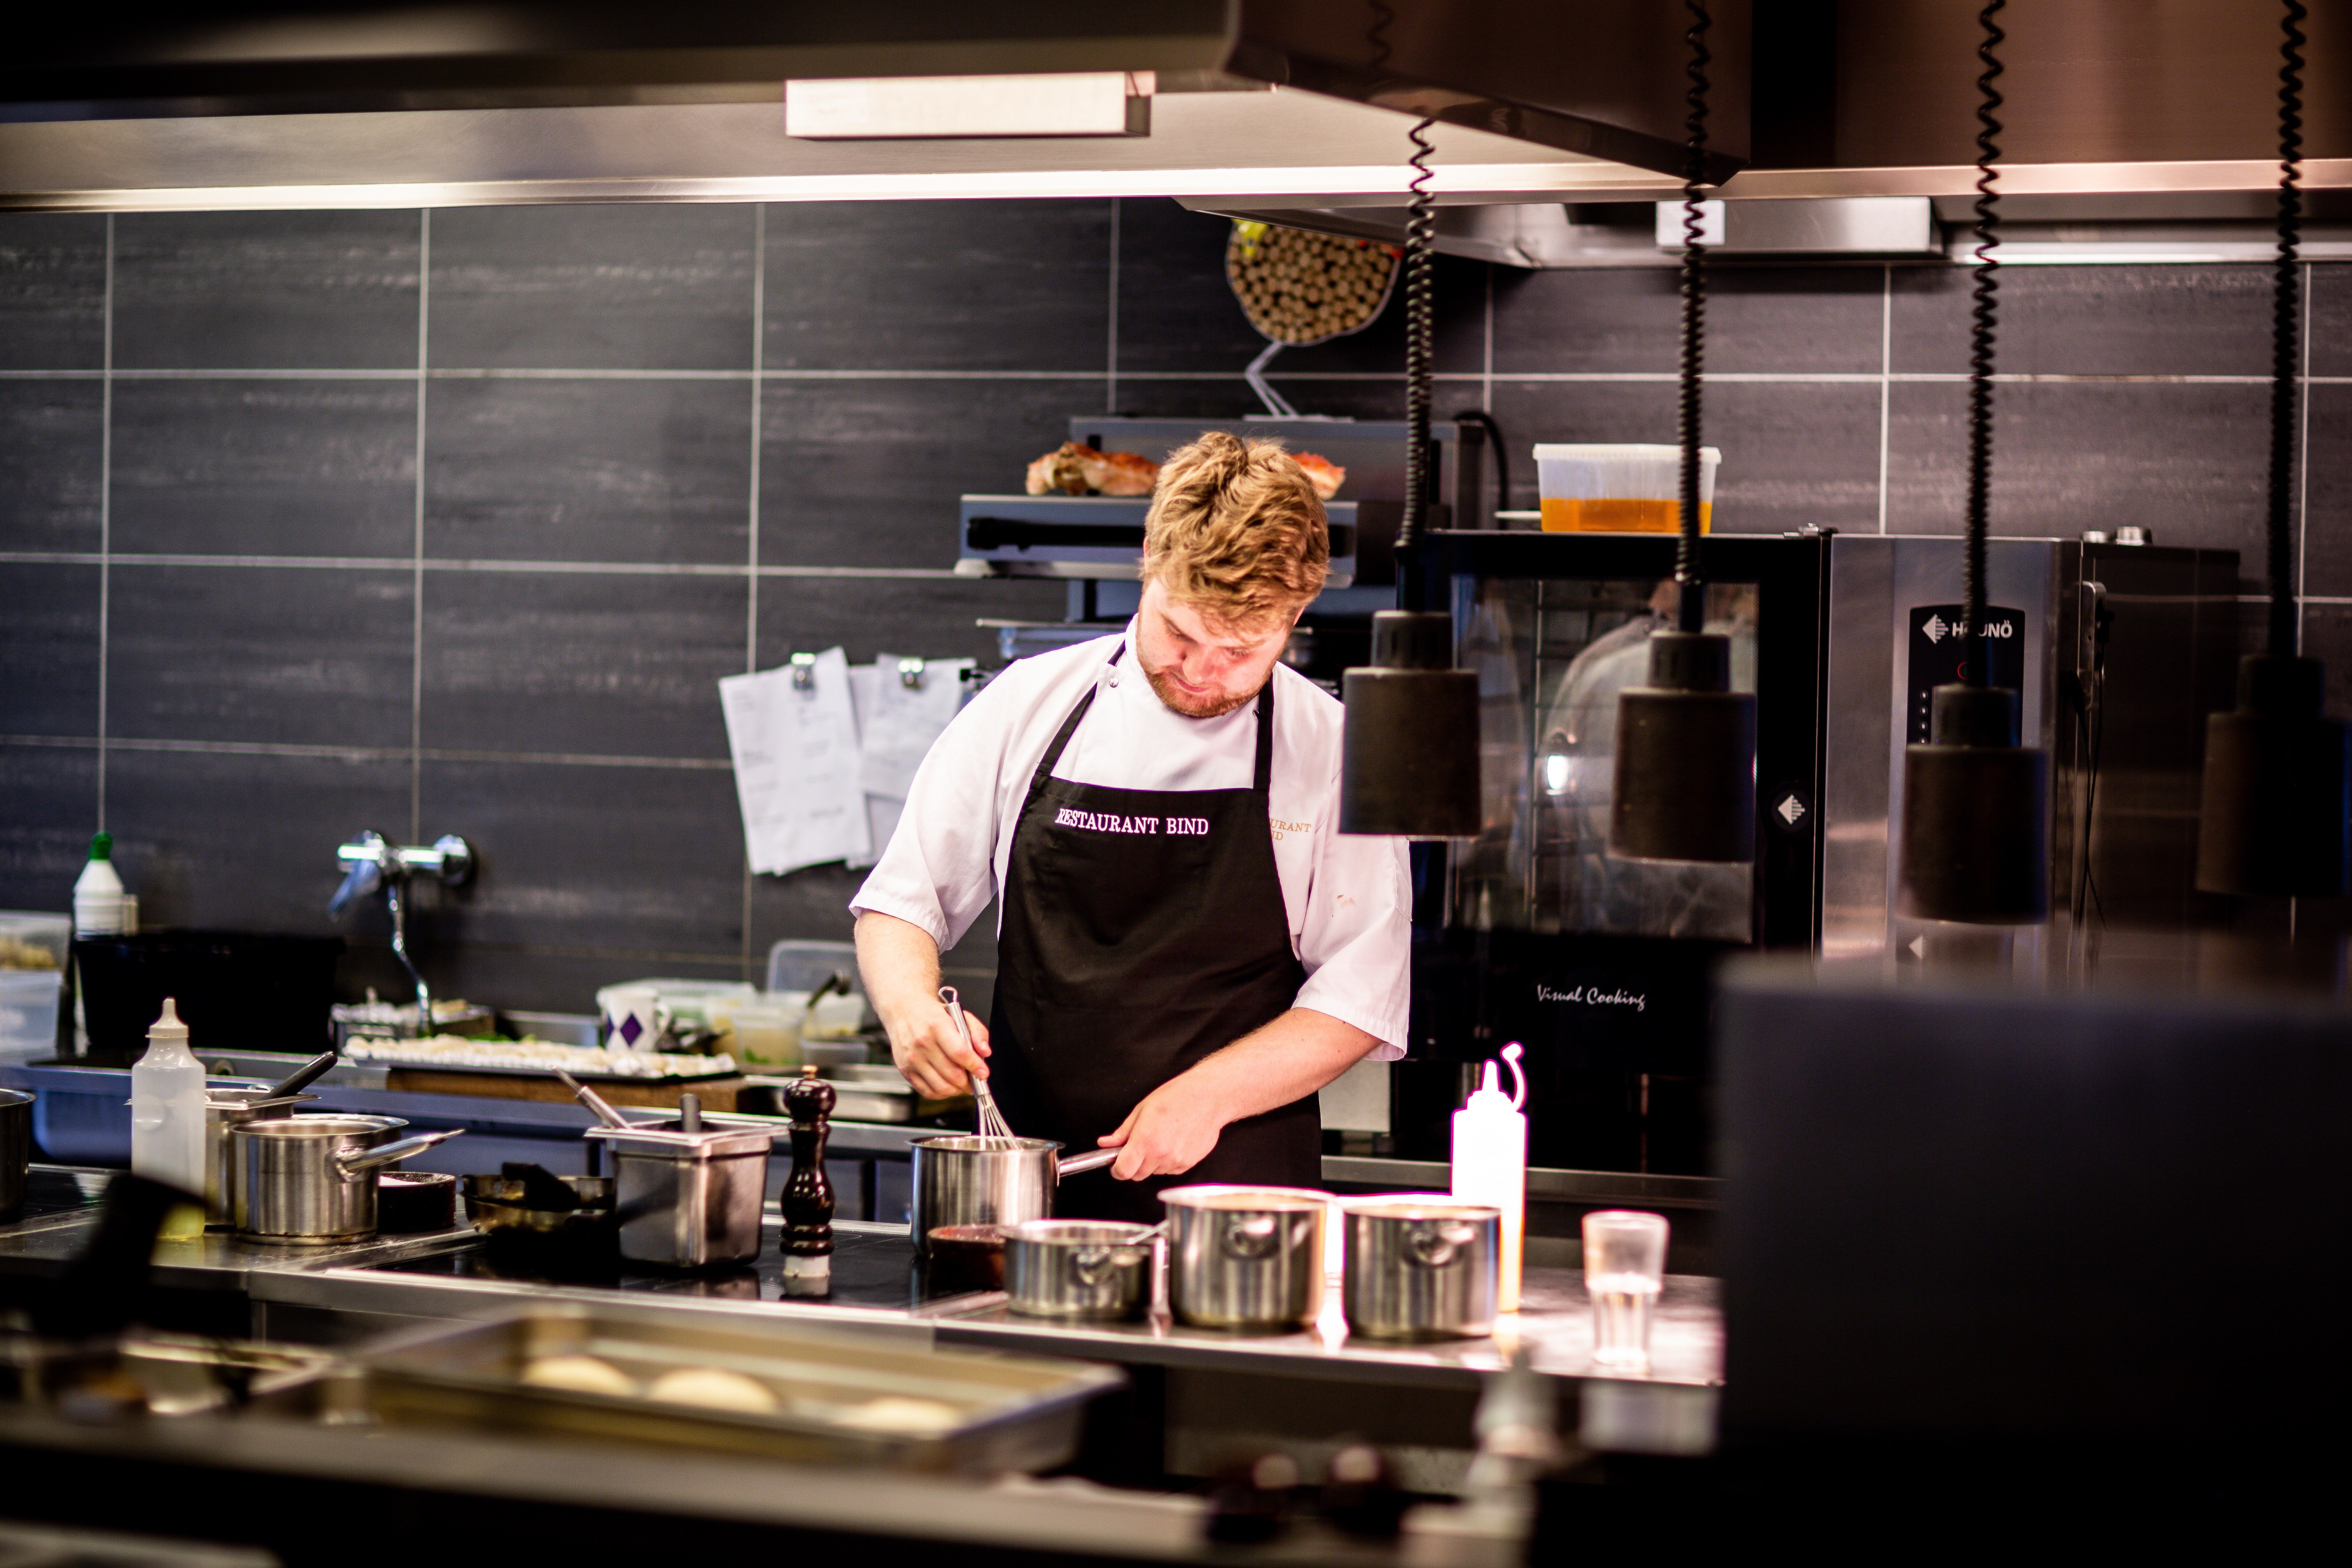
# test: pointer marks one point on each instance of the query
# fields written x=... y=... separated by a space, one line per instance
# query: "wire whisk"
x=987 y=1120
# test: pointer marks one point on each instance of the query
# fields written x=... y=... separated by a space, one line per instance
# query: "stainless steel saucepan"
x=965 y=1179
x=1246 y=1257
x=1419 y=1267
x=311 y=1179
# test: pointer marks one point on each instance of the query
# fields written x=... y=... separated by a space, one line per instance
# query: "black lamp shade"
x=1409 y=755
x=2276 y=807
x=1976 y=815
x=1685 y=770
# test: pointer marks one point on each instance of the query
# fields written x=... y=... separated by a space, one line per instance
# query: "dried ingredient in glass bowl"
x=1297 y=286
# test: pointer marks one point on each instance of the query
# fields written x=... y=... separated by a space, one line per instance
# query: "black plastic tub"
x=16 y=1149
x=237 y=991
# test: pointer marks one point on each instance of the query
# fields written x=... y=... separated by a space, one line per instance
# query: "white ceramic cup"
x=635 y=1018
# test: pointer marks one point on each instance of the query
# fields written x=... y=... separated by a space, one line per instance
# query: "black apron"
x=1143 y=931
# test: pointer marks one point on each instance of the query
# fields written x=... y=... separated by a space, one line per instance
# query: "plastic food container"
x=1620 y=488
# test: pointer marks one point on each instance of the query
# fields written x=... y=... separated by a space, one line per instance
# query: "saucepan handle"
x=1092 y=1160
x=359 y=1161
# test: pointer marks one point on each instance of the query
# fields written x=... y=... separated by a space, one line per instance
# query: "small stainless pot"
x=1079 y=1268
x=225 y=1109
x=311 y=1179
x=689 y=1200
x=1417 y=1268
x=1244 y=1258
x=964 y=1179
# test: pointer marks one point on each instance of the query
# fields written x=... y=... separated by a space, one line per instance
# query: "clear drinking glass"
x=1624 y=1269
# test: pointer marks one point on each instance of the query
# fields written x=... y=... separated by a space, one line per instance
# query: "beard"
x=1215 y=705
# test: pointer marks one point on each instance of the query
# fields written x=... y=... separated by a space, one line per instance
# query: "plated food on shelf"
x=1074 y=468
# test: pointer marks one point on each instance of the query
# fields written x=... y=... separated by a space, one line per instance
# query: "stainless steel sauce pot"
x=964 y=1179
x=311 y=1179
x=1085 y=1269
x=1418 y=1268
x=1244 y=1258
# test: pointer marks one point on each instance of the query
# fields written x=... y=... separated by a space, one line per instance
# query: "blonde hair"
x=1235 y=530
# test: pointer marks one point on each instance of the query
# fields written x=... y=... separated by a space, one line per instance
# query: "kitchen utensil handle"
x=359 y=1161
x=303 y=1076
x=592 y=1099
x=1078 y=1165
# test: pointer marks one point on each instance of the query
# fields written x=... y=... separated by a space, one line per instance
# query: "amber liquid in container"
x=1646 y=515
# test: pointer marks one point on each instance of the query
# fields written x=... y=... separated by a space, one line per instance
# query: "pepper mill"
x=807 y=1199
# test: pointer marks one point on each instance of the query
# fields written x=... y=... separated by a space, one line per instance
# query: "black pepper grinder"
x=807 y=1199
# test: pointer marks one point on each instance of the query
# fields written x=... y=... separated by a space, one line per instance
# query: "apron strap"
x=1261 y=778
x=1261 y=775
x=1069 y=727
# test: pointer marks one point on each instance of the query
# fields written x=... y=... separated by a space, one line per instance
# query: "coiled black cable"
x=1984 y=317
x=1420 y=338
x=1691 y=607
x=2286 y=314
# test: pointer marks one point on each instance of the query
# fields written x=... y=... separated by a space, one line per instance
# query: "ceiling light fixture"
x=1686 y=770
x=1974 y=844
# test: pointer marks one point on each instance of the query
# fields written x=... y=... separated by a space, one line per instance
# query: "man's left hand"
x=1172 y=1130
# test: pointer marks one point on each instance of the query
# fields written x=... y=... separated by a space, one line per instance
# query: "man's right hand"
x=901 y=966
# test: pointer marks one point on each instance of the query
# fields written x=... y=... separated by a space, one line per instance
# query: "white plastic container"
x=1490 y=1163
x=101 y=905
x=1620 y=488
x=167 y=1106
x=33 y=949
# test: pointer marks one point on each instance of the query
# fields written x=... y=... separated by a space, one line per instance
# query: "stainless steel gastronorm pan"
x=1012 y=1412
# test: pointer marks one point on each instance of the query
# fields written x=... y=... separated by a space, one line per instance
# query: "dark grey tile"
x=807 y=905
x=244 y=840
x=265 y=467
x=518 y=978
x=1759 y=320
x=2185 y=460
x=654 y=287
x=52 y=441
x=588 y=471
x=1177 y=313
x=52 y=795
x=642 y=860
x=2329 y=301
x=234 y=290
x=949 y=285
x=922 y=617
x=52 y=291
x=279 y=654
x=2091 y=320
x=594 y=664
x=1794 y=453
x=2327 y=636
x=866 y=473
x=49 y=649
x=2327 y=493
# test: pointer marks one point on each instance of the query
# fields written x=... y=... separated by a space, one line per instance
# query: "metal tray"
x=1012 y=1412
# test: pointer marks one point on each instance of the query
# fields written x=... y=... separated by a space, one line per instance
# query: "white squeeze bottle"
x=167 y=1106
x=1490 y=1161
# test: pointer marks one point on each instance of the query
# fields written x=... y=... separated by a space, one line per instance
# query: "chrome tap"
x=375 y=865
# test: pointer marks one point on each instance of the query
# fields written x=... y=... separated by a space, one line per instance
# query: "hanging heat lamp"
x=1975 y=845
x=1409 y=754
x=1685 y=768
x=2276 y=807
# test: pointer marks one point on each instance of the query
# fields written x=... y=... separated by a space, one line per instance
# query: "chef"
x=1187 y=948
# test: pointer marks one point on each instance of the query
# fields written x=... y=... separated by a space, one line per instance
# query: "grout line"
x=105 y=512
x=2303 y=466
x=1886 y=387
x=751 y=560
x=416 y=569
x=1110 y=391
x=368 y=753
x=397 y=564
x=1487 y=358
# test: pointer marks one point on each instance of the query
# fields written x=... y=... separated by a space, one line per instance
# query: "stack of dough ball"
x=1301 y=287
x=713 y=1388
x=580 y=1374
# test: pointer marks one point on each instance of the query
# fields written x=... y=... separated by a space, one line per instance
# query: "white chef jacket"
x=1347 y=898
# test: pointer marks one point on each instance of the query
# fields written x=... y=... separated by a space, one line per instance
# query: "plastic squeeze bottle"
x=100 y=907
x=167 y=1106
x=1490 y=1161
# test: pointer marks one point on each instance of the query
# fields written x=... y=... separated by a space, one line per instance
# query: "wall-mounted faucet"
x=373 y=864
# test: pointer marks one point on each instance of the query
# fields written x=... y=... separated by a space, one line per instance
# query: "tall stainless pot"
x=16 y=1149
x=1420 y=1269
x=1244 y=1258
x=311 y=1179
x=964 y=1179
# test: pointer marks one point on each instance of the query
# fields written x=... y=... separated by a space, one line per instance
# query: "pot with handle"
x=311 y=1179
x=1419 y=1268
x=1246 y=1257
x=1080 y=1269
x=965 y=1179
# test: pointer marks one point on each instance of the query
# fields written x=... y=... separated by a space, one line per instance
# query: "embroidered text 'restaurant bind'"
x=1113 y=822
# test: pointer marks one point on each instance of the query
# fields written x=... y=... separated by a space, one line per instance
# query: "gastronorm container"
x=1417 y=1268
x=1244 y=1258
x=996 y=1412
x=961 y=1178
x=1092 y=1270
x=689 y=1200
